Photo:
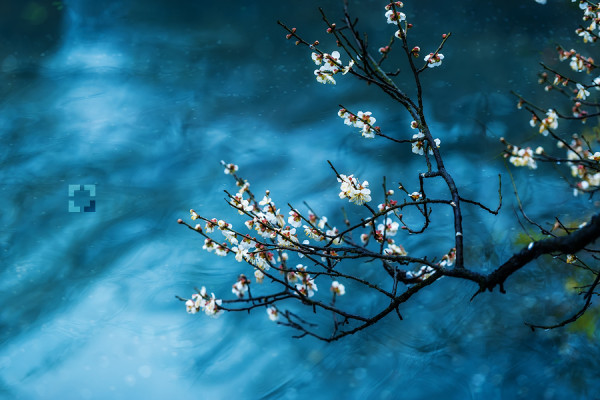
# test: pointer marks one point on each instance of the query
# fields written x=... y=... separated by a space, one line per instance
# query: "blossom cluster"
x=361 y=120
x=523 y=157
x=421 y=274
x=580 y=92
x=591 y=14
x=434 y=59
x=394 y=17
x=241 y=286
x=358 y=193
x=305 y=284
x=425 y=271
x=385 y=232
x=330 y=64
x=418 y=144
x=271 y=225
x=201 y=301
x=550 y=122
x=584 y=165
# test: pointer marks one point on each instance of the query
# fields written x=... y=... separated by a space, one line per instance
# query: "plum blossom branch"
x=294 y=256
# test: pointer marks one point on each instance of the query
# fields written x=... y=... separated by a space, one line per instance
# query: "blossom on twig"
x=358 y=193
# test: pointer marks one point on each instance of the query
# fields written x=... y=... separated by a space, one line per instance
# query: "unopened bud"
x=316 y=43
x=180 y=221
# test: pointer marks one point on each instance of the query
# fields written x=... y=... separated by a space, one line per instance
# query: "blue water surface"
x=142 y=99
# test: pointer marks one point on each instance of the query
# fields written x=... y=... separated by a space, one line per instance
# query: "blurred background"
x=143 y=99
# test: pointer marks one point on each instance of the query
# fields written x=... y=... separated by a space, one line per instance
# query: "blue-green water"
x=143 y=99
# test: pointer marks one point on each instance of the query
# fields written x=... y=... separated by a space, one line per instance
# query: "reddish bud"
x=316 y=43
x=293 y=30
x=409 y=26
x=288 y=36
x=180 y=221
x=444 y=36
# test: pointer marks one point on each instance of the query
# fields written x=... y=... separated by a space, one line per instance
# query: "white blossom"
x=358 y=193
x=522 y=157
x=419 y=144
x=272 y=313
x=394 y=17
x=434 y=59
x=338 y=288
